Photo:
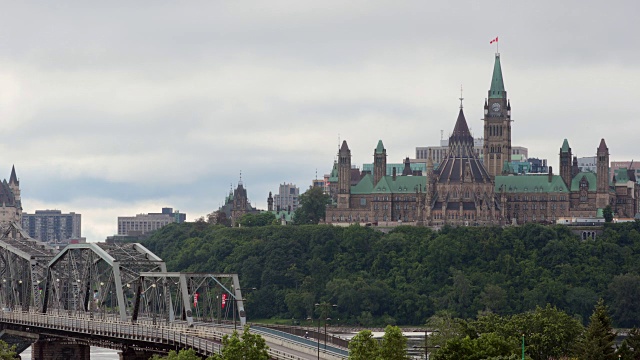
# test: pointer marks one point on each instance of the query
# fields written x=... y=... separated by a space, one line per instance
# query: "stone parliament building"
x=463 y=190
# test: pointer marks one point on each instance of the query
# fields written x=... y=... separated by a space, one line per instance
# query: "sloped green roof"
x=600 y=213
x=565 y=146
x=591 y=178
x=380 y=147
x=364 y=186
x=287 y=215
x=401 y=184
x=530 y=183
x=334 y=173
x=621 y=175
x=497 y=84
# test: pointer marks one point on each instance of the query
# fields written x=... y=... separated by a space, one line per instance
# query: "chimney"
x=550 y=173
x=394 y=173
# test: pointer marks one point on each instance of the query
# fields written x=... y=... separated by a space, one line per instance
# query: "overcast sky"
x=122 y=107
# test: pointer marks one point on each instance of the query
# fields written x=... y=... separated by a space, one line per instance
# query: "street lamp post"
x=325 y=306
x=426 y=346
x=325 y=332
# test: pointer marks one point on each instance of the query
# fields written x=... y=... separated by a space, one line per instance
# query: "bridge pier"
x=58 y=350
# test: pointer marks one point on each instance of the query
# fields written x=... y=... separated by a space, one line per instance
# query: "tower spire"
x=497 y=84
x=461 y=98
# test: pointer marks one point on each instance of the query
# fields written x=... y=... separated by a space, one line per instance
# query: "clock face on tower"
x=495 y=107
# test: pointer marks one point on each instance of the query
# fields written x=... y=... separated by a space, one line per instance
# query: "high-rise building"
x=287 y=198
x=588 y=163
x=52 y=226
x=146 y=223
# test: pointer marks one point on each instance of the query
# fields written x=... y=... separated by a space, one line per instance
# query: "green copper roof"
x=565 y=146
x=621 y=175
x=365 y=186
x=283 y=214
x=334 y=173
x=497 y=84
x=401 y=184
x=530 y=183
x=589 y=176
x=380 y=147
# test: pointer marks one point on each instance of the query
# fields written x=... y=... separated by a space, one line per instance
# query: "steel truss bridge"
x=119 y=296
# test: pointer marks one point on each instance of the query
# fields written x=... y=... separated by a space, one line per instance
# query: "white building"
x=587 y=163
x=287 y=198
x=439 y=153
x=146 y=223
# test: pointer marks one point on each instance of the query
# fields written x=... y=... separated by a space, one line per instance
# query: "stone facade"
x=237 y=204
x=11 y=204
x=463 y=190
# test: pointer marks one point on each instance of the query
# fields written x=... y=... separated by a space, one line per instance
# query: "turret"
x=344 y=175
x=602 y=175
x=565 y=163
x=379 y=162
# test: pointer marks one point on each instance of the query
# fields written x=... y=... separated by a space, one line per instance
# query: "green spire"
x=497 y=84
x=565 y=146
x=380 y=147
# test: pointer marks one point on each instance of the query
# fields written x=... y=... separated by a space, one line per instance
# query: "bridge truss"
x=23 y=268
x=192 y=297
x=97 y=278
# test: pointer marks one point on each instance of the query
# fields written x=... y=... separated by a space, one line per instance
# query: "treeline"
x=406 y=276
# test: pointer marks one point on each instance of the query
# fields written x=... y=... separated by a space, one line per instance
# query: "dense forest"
x=408 y=275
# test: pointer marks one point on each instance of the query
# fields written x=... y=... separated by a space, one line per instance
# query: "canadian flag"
x=224 y=300
x=195 y=299
x=494 y=40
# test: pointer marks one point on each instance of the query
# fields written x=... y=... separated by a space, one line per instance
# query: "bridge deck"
x=205 y=339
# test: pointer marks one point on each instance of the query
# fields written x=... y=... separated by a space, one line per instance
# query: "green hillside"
x=406 y=276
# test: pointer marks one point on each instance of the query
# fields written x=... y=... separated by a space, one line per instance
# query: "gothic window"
x=584 y=188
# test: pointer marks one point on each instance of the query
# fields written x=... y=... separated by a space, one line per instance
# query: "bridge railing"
x=206 y=340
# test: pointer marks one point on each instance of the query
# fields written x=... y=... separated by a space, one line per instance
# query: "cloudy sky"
x=114 y=108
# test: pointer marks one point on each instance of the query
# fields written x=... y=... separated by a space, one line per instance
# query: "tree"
x=444 y=328
x=189 y=354
x=487 y=346
x=393 y=345
x=625 y=308
x=219 y=218
x=597 y=342
x=262 y=219
x=363 y=346
x=7 y=352
x=607 y=213
x=313 y=206
x=633 y=341
x=248 y=347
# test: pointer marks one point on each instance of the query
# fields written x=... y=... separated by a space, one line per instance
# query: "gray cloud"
x=123 y=107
